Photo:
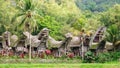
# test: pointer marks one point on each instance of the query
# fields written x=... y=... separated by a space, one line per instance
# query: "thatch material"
x=34 y=39
x=42 y=33
x=38 y=39
x=57 y=44
x=54 y=43
x=75 y=42
x=14 y=40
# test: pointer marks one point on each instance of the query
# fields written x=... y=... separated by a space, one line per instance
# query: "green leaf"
x=22 y=22
x=16 y=16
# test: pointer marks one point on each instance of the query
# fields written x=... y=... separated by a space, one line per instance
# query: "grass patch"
x=61 y=65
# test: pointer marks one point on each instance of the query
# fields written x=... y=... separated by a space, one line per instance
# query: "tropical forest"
x=59 y=33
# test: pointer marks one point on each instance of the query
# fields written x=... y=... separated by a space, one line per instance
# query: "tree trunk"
x=30 y=46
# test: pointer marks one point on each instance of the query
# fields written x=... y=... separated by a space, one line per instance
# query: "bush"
x=115 y=55
x=101 y=57
x=63 y=57
x=89 y=57
x=107 y=57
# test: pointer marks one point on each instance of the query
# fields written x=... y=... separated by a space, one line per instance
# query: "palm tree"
x=27 y=14
x=113 y=34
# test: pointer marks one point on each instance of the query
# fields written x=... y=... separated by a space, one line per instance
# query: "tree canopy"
x=60 y=16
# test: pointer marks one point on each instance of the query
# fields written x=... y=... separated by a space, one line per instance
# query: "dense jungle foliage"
x=64 y=16
x=60 y=16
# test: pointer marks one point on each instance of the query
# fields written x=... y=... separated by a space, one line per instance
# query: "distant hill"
x=96 y=5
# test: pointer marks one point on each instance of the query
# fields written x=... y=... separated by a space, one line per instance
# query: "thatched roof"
x=55 y=45
x=75 y=42
x=14 y=40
